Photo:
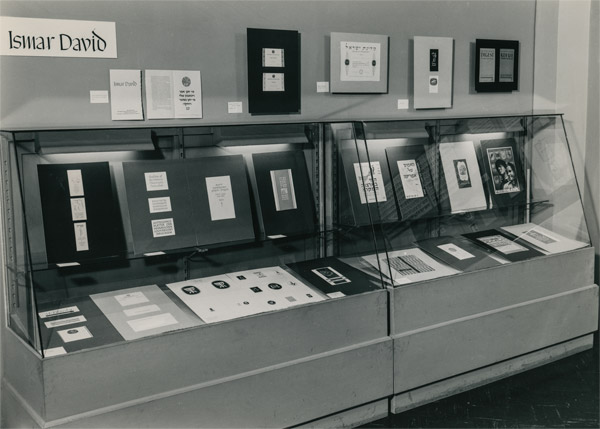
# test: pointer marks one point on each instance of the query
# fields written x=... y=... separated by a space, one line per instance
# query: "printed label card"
x=409 y=176
x=272 y=57
x=163 y=228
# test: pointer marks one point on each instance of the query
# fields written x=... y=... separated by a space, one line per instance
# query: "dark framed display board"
x=273 y=71
x=496 y=65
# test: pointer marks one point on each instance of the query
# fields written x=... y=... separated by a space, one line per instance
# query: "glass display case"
x=482 y=240
x=328 y=264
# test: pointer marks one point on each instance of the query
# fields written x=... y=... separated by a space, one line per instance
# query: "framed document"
x=432 y=72
x=273 y=71
x=496 y=65
x=359 y=63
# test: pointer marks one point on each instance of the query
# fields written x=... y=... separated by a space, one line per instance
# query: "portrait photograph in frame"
x=359 y=63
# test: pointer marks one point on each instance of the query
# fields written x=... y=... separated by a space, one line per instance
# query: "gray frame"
x=366 y=87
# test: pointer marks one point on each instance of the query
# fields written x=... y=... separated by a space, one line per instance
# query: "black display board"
x=273 y=71
x=503 y=244
x=81 y=215
x=458 y=252
x=332 y=276
x=285 y=193
x=506 y=180
x=496 y=65
x=159 y=204
x=377 y=196
x=416 y=177
x=74 y=324
x=220 y=198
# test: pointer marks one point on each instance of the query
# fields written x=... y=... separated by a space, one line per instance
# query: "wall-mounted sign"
x=36 y=37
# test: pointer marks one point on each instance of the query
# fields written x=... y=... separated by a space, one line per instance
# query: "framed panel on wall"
x=273 y=71
x=359 y=63
x=433 y=58
x=496 y=65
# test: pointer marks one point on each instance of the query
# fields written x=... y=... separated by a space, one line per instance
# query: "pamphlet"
x=126 y=95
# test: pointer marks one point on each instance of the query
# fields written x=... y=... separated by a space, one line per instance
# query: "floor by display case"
x=317 y=274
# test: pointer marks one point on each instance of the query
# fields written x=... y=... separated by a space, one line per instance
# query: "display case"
x=482 y=240
x=285 y=274
x=196 y=273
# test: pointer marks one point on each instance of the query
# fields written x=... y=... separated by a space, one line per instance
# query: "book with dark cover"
x=81 y=214
x=220 y=199
x=412 y=181
x=285 y=193
x=332 y=276
x=506 y=181
x=504 y=244
x=458 y=252
x=160 y=209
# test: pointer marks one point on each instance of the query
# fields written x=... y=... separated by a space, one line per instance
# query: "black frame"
x=496 y=85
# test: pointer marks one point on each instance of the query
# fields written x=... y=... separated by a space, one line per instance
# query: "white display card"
x=507 y=65
x=360 y=62
x=434 y=84
x=487 y=65
x=457 y=252
x=272 y=57
x=370 y=182
x=163 y=228
x=58 y=312
x=81 y=237
x=502 y=244
x=75 y=183
x=159 y=204
x=220 y=198
x=75 y=334
x=152 y=322
x=65 y=322
x=273 y=82
x=131 y=298
x=55 y=351
x=126 y=95
x=137 y=311
x=411 y=182
x=78 y=209
x=156 y=181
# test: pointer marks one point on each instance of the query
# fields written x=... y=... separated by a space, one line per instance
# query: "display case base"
x=471 y=380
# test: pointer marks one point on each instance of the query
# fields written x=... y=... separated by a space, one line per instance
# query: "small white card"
x=322 y=86
x=409 y=176
x=234 y=107
x=220 y=198
x=136 y=311
x=58 y=312
x=75 y=334
x=131 y=298
x=163 y=228
x=272 y=57
x=65 y=322
x=370 y=182
x=78 y=209
x=159 y=204
x=336 y=294
x=502 y=244
x=55 y=351
x=99 y=97
x=434 y=82
x=75 y=183
x=402 y=103
x=81 y=237
x=152 y=322
x=457 y=252
x=273 y=82
x=156 y=181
